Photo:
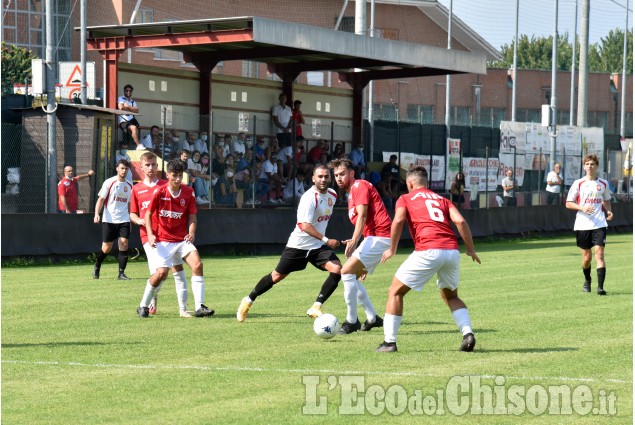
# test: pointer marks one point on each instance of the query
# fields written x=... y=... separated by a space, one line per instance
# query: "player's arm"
x=362 y=215
x=607 y=207
x=395 y=233
x=465 y=232
x=311 y=231
x=191 y=235
x=98 y=207
x=85 y=176
x=152 y=239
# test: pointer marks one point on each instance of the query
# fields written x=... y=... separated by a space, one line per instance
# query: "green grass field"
x=74 y=350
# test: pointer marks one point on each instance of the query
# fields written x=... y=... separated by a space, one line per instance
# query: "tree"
x=535 y=53
x=606 y=56
x=16 y=66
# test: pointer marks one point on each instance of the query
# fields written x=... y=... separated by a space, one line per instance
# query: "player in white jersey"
x=591 y=198
x=307 y=243
x=114 y=196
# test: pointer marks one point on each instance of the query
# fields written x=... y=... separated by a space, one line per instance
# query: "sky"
x=495 y=20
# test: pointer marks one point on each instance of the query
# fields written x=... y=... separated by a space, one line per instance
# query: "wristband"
x=325 y=239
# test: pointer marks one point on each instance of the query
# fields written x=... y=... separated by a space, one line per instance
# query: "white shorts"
x=420 y=266
x=153 y=258
x=370 y=250
x=169 y=254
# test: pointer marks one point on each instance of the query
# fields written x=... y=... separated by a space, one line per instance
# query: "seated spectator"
x=294 y=189
x=315 y=154
x=271 y=177
x=168 y=147
x=188 y=143
x=238 y=145
x=391 y=169
x=151 y=139
x=357 y=158
x=338 y=152
x=204 y=180
x=226 y=192
x=259 y=150
x=200 y=143
x=286 y=160
x=226 y=144
x=383 y=189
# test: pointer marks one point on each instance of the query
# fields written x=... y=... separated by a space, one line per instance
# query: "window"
x=250 y=69
x=461 y=115
x=315 y=78
x=599 y=119
x=423 y=114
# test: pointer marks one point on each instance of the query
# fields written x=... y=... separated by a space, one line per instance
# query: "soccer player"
x=116 y=193
x=591 y=197
x=141 y=197
x=436 y=251
x=307 y=244
x=173 y=208
x=370 y=218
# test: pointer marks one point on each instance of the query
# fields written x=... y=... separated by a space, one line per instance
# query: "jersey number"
x=435 y=213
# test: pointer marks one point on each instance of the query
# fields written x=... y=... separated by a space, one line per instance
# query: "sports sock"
x=328 y=287
x=601 y=277
x=350 y=297
x=198 y=289
x=587 y=273
x=391 y=327
x=123 y=261
x=364 y=300
x=265 y=284
x=462 y=319
x=148 y=293
x=180 y=283
x=101 y=256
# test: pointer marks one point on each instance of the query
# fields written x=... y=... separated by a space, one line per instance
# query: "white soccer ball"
x=326 y=326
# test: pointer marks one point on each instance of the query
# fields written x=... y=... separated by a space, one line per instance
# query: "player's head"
x=591 y=157
x=148 y=164
x=417 y=178
x=321 y=177
x=590 y=163
x=122 y=168
x=175 y=172
x=68 y=171
x=344 y=172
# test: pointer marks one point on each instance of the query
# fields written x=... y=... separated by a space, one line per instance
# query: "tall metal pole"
x=371 y=87
x=83 y=51
x=575 y=40
x=515 y=66
x=448 y=80
x=583 y=77
x=623 y=112
x=51 y=204
x=554 y=75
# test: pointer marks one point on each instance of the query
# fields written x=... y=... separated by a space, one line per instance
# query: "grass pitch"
x=74 y=350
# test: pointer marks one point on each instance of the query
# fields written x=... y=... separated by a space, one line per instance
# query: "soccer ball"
x=326 y=326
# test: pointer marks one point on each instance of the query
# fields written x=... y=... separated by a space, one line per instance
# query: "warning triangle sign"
x=75 y=79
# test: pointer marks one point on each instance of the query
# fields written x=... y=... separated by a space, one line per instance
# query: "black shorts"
x=587 y=239
x=125 y=124
x=293 y=260
x=112 y=231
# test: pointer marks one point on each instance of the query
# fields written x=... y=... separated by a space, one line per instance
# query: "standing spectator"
x=115 y=193
x=357 y=158
x=436 y=252
x=554 y=183
x=281 y=117
x=122 y=153
x=151 y=139
x=67 y=191
x=307 y=243
x=391 y=169
x=369 y=216
x=129 y=123
x=509 y=189
x=591 y=198
x=298 y=117
x=457 y=190
x=139 y=203
x=173 y=208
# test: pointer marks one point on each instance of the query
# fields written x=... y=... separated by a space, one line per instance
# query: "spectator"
x=357 y=158
x=238 y=145
x=286 y=159
x=554 y=183
x=202 y=178
x=259 y=150
x=298 y=118
x=315 y=154
x=272 y=178
x=384 y=189
x=225 y=191
x=338 y=152
x=151 y=139
x=168 y=147
x=281 y=116
x=202 y=144
x=509 y=189
x=225 y=144
x=457 y=190
x=184 y=156
x=67 y=191
x=295 y=189
x=128 y=123
x=391 y=170
x=122 y=153
x=188 y=143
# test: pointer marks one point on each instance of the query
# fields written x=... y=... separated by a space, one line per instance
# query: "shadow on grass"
x=62 y=344
x=443 y=331
x=528 y=350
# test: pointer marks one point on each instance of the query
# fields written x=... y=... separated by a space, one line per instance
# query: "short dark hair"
x=175 y=166
x=341 y=162
x=393 y=156
x=297 y=102
x=122 y=162
x=127 y=86
x=419 y=174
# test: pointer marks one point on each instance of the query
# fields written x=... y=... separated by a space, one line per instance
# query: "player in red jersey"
x=139 y=202
x=173 y=209
x=370 y=218
x=436 y=251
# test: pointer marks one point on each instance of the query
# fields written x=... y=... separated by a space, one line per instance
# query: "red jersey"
x=295 y=115
x=139 y=203
x=378 y=221
x=172 y=212
x=428 y=216
x=68 y=189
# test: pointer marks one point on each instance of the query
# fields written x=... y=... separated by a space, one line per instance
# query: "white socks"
x=350 y=297
x=148 y=293
x=391 y=327
x=198 y=289
x=180 y=282
x=462 y=319
x=364 y=300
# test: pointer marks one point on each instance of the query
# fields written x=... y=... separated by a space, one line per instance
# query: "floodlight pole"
x=515 y=66
x=51 y=117
x=554 y=67
x=575 y=39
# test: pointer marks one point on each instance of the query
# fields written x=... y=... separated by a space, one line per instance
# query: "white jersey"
x=315 y=208
x=116 y=196
x=589 y=192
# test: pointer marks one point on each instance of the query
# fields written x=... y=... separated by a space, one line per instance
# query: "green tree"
x=606 y=56
x=535 y=53
x=16 y=66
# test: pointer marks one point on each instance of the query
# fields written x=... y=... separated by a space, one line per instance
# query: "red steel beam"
x=169 y=40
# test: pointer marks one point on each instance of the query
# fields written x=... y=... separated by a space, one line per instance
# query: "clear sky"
x=495 y=20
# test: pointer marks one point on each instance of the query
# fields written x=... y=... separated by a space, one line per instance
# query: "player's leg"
x=122 y=257
x=326 y=259
x=393 y=316
x=584 y=242
x=193 y=259
x=150 y=290
x=180 y=284
x=601 y=269
x=350 y=271
x=107 y=237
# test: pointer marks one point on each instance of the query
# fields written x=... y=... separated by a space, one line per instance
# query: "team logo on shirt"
x=598 y=188
x=144 y=205
x=125 y=188
x=182 y=202
x=330 y=202
x=170 y=214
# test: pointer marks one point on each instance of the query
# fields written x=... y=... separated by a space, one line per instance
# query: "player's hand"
x=333 y=243
x=152 y=240
x=362 y=277
x=96 y=219
x=609 y=215
x=189 y=238
x=386 y=255
x=141 y=222
x=589 y=209
x=350 y=247
x=474 y=256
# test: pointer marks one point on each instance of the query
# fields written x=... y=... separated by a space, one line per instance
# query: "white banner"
x=436 y=171
x=481 y=172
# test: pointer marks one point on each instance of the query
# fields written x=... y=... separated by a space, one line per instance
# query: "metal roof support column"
x=205 y=65
x=110 y=49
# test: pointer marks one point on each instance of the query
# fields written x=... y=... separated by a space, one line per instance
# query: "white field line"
x=304 y=371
